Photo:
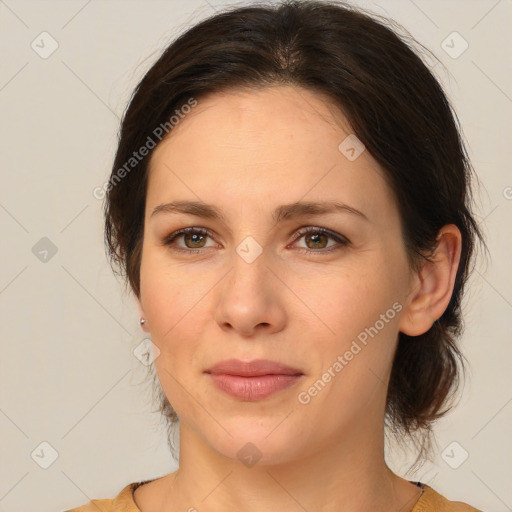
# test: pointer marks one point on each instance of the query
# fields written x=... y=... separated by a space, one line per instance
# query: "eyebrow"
x=281 y=213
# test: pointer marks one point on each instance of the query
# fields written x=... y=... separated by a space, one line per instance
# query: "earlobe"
x=142 y=316
x=432 y=286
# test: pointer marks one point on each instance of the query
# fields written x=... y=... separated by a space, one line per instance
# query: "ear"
x=140 y=307
x=432 y=286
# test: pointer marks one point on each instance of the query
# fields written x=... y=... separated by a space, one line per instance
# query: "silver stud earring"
x=142 y=321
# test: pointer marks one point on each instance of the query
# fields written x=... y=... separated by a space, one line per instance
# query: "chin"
x=257 y=442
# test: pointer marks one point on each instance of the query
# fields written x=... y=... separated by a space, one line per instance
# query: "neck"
x=349 y=475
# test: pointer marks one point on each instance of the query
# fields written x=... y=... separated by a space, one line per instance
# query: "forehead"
x=248 y=118
x=277 y=142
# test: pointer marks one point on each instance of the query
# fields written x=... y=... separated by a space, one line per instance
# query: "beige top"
x=429 y=501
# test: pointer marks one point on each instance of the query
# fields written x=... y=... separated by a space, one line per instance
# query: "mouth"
x=254 y=380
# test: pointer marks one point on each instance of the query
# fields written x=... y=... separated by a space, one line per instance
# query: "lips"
x=253 y=380
x=254 y=368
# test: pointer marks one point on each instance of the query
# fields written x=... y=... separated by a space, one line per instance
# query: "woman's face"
x=248 y=290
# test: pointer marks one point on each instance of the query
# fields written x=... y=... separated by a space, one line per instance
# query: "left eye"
x=315 y=239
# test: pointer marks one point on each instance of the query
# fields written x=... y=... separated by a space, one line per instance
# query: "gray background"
x=69 y=377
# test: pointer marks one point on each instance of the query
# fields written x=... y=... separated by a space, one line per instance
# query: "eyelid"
x=317 y=229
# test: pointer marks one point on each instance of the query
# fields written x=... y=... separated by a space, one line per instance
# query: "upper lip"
x=253 y=368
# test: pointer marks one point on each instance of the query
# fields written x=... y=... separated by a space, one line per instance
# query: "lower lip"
x=252 y=389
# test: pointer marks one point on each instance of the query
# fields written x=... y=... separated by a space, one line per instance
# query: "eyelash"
x=342 y=241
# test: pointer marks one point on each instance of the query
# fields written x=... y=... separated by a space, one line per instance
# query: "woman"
x=290 y=204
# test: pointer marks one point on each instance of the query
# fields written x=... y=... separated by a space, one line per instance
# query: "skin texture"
x=248 y=152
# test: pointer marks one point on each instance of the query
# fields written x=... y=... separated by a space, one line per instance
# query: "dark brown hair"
x=394 y=105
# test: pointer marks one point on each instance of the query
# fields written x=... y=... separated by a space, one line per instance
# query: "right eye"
x=192 y=237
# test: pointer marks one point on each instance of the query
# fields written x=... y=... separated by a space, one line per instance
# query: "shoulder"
x=123 y=502
x=431 y=501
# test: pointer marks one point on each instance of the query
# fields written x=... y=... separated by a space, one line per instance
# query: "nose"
x=251 y=299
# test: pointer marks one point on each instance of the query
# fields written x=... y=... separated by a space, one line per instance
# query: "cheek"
x=348 y=300
x=358 y=313
x=168 y=293
x=171 y=308
x=352 y=363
